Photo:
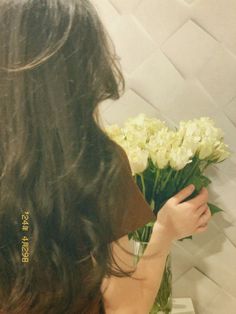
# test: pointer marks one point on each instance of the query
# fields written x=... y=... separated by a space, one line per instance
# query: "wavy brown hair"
x=57 y=64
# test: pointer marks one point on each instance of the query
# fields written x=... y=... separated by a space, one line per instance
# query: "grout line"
x=182 y=274
x=211 y=279
x=229 y=240
x=193 y=19
x=115 y=8
x=174 y=65
x=145 y=99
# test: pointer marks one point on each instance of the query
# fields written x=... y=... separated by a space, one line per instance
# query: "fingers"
x=203 y=221
x=201 y=210
x=204 y=218
x=200 y=199
x=183 y=194
x=201 y=229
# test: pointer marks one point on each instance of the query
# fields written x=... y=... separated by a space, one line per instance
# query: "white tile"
x=218 y=76
x=161 y=17
x=106 y=11
x=217 y=261
x=227 y=201
x=222 y=303
x=230 y=111
x=181 y=261
x=199 y=240
x=219 y=180
x=124 y=6
x=157 y=80
x=222 y=220
x=182 y=306
x=133 y=44
x=190 y=1
x=197 y=287
x=228 y=167
x=222 y=191
x=193 y=102
x=230 y=233
x=219 y=18
x=105 y=105
x=190 y=48
x=130 y=104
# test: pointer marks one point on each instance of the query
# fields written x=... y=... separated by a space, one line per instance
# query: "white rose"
x=138 y=160
x=160 y=157
x=221 y=152
x=180 y=157
x=205 y=149
x=135 y=137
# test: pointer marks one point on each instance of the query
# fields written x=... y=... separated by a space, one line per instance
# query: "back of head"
x=56 y=66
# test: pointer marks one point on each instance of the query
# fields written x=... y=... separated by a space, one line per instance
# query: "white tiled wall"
x=179 y=61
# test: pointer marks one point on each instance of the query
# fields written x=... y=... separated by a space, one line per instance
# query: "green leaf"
x=150 y=224
x=149 y=177
x=205 y=180
x=214 y=209
x=130 y=235
x=196 y=180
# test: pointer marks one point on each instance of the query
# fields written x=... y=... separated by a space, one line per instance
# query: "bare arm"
x=127 y=295
x=175 y=220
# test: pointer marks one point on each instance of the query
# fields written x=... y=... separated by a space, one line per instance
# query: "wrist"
x=162 y=236
x=162 y=231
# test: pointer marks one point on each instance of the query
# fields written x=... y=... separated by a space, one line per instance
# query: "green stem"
x=166 y=180
x=143 y=185
x=192 y=172
x=163 y=299
x=155 y=183
x=176 y=175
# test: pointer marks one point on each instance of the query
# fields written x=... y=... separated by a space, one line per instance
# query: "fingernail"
x=192 y=187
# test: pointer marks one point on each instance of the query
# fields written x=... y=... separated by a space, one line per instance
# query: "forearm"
x=128 y=295
x=151 y=266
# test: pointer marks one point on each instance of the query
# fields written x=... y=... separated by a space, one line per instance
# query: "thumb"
x=183 y=194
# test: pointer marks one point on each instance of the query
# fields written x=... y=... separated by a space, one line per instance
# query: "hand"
x=181 y=219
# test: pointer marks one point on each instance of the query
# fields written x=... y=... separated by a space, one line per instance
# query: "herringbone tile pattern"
x=179 y=61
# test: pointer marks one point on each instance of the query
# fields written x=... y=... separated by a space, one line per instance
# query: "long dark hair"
x=57 y=64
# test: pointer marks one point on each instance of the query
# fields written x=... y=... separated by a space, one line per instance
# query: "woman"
x=67 y=194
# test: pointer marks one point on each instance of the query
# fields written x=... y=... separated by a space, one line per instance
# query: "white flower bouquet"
x=164 y=161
